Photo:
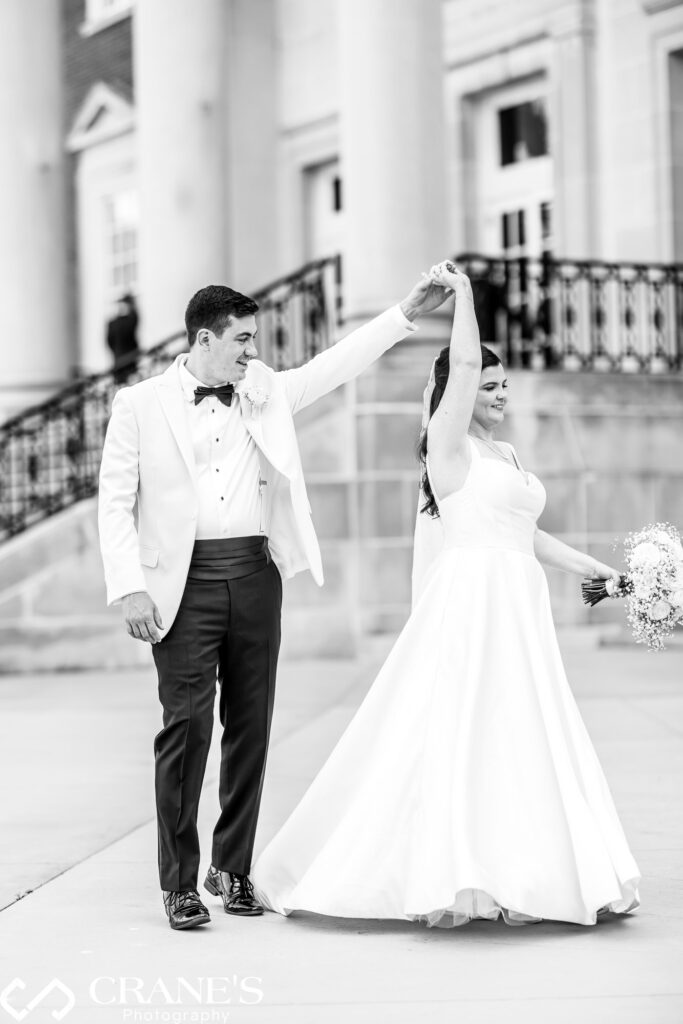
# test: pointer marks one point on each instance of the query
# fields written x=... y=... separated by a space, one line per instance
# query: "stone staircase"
x=357 y=447
x=607 y=446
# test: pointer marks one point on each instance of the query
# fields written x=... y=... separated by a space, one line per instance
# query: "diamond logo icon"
x=53 y=986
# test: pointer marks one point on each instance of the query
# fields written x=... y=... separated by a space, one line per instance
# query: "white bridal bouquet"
x=652 y=584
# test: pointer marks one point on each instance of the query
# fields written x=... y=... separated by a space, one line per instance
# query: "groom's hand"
x=142 y=617
x=424 y=297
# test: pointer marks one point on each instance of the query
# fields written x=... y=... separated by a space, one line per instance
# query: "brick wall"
x=106 y=56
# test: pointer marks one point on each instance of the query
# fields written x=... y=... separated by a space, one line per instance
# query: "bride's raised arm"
x=449 y=455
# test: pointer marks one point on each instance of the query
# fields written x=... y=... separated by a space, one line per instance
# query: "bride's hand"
x=448 y=275
x=600 y=571
x=424 y=297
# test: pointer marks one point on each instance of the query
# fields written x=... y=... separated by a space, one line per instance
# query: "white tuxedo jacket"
x=148 y=506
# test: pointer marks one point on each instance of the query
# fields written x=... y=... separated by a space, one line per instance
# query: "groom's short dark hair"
x=213 y=307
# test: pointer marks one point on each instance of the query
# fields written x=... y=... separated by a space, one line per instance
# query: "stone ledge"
x=47 y=544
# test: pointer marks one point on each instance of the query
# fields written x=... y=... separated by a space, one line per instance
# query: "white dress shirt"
x=228 y=469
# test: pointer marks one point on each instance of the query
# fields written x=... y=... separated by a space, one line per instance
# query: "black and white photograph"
x=341 y=511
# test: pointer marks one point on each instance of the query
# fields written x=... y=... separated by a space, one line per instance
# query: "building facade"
x=166 y=144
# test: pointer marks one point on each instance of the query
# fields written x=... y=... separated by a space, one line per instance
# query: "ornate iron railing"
x=50 y=454
x=578 y=314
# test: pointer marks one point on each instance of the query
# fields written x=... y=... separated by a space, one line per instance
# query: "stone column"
x=392 y=124
x=675 y=127
x=180 y=50
x=573 y=142
x=251 y=144
x=36 y=355
x=392 y=151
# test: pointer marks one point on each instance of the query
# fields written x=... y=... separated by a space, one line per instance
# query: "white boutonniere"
x=256 y=396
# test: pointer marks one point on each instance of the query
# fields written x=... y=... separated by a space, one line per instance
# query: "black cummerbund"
x=228 y=558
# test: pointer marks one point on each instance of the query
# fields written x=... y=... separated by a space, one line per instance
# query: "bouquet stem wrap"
x=594 y=591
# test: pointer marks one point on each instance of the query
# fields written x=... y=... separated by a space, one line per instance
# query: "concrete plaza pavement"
x=78 y=844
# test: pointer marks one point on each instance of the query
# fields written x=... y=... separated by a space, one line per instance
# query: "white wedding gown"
x=466 y=785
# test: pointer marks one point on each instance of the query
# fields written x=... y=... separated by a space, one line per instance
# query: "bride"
x=466 y=786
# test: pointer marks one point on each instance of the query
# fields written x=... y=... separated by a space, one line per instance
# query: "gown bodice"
x=497 y=507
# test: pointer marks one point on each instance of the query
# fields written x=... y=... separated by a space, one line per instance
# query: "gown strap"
x=514 y=456
x=474 y=448
x=476 y=455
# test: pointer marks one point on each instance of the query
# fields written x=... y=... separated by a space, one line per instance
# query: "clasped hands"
x=434 y=288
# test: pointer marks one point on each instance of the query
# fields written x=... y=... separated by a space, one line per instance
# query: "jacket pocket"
x=149 y=556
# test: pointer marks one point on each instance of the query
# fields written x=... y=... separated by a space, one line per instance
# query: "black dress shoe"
x=236 y=891
x=185 y=909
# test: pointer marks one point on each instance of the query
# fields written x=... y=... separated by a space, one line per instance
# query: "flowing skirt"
x=466 y=785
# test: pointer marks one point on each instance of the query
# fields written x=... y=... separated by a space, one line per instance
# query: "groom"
x=202 y=513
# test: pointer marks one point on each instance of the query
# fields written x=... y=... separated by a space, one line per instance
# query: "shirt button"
x=222 y=498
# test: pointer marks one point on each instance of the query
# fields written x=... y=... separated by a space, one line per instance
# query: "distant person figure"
x=122 y=338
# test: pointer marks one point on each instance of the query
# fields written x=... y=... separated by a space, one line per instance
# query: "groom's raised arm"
x=358 y=350
x=345 y=359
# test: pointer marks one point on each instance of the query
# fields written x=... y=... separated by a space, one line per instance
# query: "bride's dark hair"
x=441 y=371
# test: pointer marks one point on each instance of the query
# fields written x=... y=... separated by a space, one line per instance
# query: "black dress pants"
x=226 y=632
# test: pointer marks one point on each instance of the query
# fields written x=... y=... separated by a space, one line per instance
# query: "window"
x=121 y=241
x=546 y=221
x=336 y=194
x=513 y=228
x=546 y=214
x=323 y=209
x=523 y=132
x=527 y=231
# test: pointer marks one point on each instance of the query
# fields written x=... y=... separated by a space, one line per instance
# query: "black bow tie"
x=224 y=393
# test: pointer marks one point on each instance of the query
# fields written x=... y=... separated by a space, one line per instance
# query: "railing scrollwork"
x=50 y=454
x=546 y=313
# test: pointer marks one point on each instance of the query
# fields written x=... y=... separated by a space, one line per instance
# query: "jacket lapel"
x=172 y=399
x=270 y=426
x=274 y=439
